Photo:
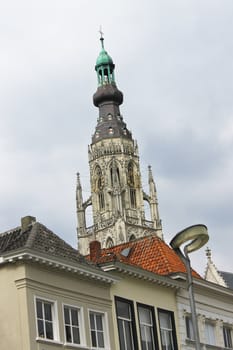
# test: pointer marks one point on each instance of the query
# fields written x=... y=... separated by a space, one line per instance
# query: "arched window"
x=109 y=242
x=131 y=183
x=115 y=174
x=100 y=187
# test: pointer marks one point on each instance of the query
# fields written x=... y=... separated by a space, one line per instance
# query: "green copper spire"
x=104 y=66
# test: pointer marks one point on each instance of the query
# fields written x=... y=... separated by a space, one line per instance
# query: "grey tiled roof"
x=228 y=278
x=39 y=238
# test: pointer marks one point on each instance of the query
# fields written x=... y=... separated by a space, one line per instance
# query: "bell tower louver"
x=117 y=197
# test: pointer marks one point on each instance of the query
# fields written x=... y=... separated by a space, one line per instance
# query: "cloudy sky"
x=174 y=65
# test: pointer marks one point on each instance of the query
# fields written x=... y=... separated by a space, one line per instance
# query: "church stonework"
x=117 y=197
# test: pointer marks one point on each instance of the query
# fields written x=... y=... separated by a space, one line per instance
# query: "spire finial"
x=101 y=37
x=150 y=175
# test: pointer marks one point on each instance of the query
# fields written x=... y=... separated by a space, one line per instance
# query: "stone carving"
x=121 y=236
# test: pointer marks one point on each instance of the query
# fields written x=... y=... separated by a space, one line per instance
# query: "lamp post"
x=195 y=236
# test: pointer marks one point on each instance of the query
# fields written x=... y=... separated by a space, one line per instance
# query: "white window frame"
x=208 y=337
x=226 y=336
x=81 y=324
x=55 y=327
x=105 y=328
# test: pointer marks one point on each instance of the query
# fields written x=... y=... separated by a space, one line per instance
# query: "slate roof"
x=149 y=253
x=38 y=238
x=228 y=278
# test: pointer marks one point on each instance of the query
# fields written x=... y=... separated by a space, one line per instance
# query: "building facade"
x=214 y=316
x=50 y=297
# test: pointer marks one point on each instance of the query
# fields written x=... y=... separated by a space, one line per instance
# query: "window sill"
x=91 y=348
x=207 y=346
x=48 y=341
x=67 y=345
x=76 y=346
x=82 y=347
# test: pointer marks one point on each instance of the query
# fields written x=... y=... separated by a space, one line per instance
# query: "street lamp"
x=196 y=236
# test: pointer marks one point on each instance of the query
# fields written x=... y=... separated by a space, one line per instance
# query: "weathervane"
x=101 y=37
x=101 y=33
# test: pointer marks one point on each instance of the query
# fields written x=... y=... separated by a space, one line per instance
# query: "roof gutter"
x=76 y=268
x=141 y=274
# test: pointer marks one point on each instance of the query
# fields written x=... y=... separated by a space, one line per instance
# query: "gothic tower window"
x=99 y=187
x=131 y=183
x=115 y=175
x=109 y=242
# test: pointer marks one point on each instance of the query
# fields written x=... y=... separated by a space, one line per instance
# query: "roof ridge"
x=32 y=235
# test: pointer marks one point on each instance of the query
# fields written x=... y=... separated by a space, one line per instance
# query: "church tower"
x=117 y=197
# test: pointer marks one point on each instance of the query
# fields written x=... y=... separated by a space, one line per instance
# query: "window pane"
x=170 y=342
x=165 y=320
x=74 y=316
x=99 y=322
x=121 y=335
x=149 y=335
x=67 y=316
x=143 y=333
x=92 y=321
x=68 y=334
x=100 y=336
x=128 y=336
x=144 y=315
x=123 y=309
x=164 y=338
x=150 y=346
x=76 y=335
x=40 y=328
x=48 y=311
x=49 y=330
x=93 y=339
x=39 y=309
x=144 y=345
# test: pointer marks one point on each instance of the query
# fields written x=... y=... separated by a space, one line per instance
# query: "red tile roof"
x=149 y=253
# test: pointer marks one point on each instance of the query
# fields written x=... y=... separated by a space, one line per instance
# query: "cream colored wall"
x=23 y=283
x=14 y=328
x=65 y=288
x=147 y=293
